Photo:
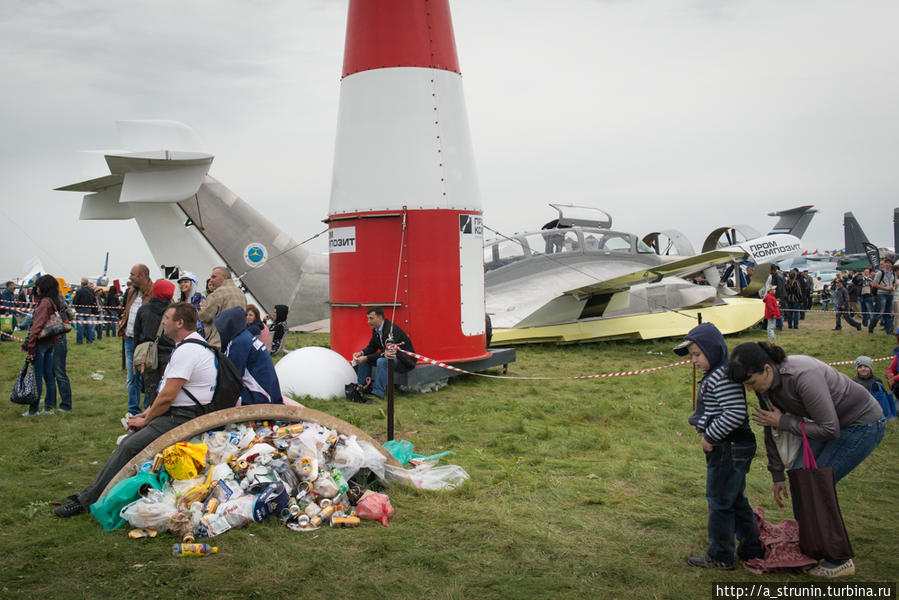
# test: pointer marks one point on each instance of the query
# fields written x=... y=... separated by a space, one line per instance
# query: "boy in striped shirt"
x=722 y=421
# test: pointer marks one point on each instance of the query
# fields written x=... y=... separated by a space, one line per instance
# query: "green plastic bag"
x=403 y=452
x=106 y=509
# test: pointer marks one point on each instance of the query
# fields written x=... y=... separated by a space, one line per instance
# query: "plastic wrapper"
x=375 y=507
x=184 y=460
x=373 y=459
x=238 y=511
x=258 y=476
x=262 y=451
x=428 y=477
x=152 y=511
x=270 y=501
x=349 y=457
x=325 y=487
x=220 y=445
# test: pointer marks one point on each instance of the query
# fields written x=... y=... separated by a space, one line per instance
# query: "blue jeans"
x=59 y=373
x=884 y=305
x=43 y=372
x=782 y=305
x=85 y=331
x=729 y=511
x=847 y=451
x=792 y=314
x=363 y=371
x=133 y=384
x=867 y=307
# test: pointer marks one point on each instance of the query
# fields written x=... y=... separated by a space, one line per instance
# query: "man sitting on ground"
x=191 y=367
x=376 y=353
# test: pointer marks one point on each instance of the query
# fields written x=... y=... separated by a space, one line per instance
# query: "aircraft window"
x=502 y=253
x=643 y=248
x=570 y=242
x=616 y=243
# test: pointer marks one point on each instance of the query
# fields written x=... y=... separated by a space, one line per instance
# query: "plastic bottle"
x=193 y=549
x=324 y=514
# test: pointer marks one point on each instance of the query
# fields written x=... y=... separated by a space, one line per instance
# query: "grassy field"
x=579 y=489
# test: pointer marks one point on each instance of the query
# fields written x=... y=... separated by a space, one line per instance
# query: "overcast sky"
x=683 y=114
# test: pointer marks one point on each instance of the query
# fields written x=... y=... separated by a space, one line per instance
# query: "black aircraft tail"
x=853 y=236
x=793 y=221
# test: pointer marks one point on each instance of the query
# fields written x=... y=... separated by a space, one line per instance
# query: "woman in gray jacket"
x=843 y=422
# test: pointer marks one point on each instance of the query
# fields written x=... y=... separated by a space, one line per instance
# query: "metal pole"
x=390 y=399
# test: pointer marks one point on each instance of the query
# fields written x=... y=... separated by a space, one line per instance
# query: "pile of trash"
x=303 y=474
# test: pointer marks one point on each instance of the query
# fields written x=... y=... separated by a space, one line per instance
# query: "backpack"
x=228 y=382
x=146 y=354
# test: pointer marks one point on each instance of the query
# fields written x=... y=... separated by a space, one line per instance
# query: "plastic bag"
x=106 y=509
x=428 y=477
x=373 y=459
x=219 y=445
x=348 y=457
x=184 y=460
x=375 y=507
x=152 y=511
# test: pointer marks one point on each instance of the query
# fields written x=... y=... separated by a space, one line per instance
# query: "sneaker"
x=46 y=411
x=29 y=414
x=829 y=570
x=69 y=510
x=706 y=562
x=65 y=500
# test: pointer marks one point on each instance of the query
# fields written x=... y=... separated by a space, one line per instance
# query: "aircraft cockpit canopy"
x=581 y=240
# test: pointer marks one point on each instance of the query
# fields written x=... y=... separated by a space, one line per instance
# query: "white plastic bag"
x=427 y=477
x=349 y=457
x=152 y=511
x=373 y=459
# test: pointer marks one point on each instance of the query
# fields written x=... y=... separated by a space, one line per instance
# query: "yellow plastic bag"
x=183 y=460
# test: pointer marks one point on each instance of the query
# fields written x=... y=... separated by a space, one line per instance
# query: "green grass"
x=579 y=489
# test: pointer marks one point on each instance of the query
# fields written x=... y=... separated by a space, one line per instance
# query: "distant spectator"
x=40 y=350
x=772 y=311
x=794 y=299
x=225 y=294
x=866 y=296
x=86 y=306
x=254 y=320
x=149 y=319
x=140 y=288
x=825 y=297
x=884 y=283
x=841 y=305
x=8 y=303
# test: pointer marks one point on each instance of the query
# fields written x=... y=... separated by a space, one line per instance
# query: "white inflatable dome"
x=316 y=372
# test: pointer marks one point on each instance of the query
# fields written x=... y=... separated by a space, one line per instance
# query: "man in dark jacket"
x=384 y=333
x=86 y=306
x=146 y=328
x=841 y=305
x=250 y=358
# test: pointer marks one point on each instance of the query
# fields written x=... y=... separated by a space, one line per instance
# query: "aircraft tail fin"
x=793 y=221
x=853 y=236
x=896 y=230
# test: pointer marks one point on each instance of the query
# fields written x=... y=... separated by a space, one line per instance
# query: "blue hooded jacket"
x=250 y=357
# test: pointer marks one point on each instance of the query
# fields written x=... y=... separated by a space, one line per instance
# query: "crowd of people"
x=871 y=295
x=136 y=315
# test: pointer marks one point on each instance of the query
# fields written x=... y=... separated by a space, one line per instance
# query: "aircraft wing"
x=771 y=248
x=691 y=264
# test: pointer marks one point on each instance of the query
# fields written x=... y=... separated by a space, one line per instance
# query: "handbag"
x=146 y=354
x=24 y=390
x=55 y=325
x=884 y=399
x=822 y=533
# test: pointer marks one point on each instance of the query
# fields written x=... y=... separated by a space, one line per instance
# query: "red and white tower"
x=405 y=214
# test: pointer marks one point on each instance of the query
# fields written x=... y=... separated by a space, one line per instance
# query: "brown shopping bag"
x=822 y=533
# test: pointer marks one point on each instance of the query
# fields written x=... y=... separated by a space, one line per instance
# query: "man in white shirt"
x=191 y=367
